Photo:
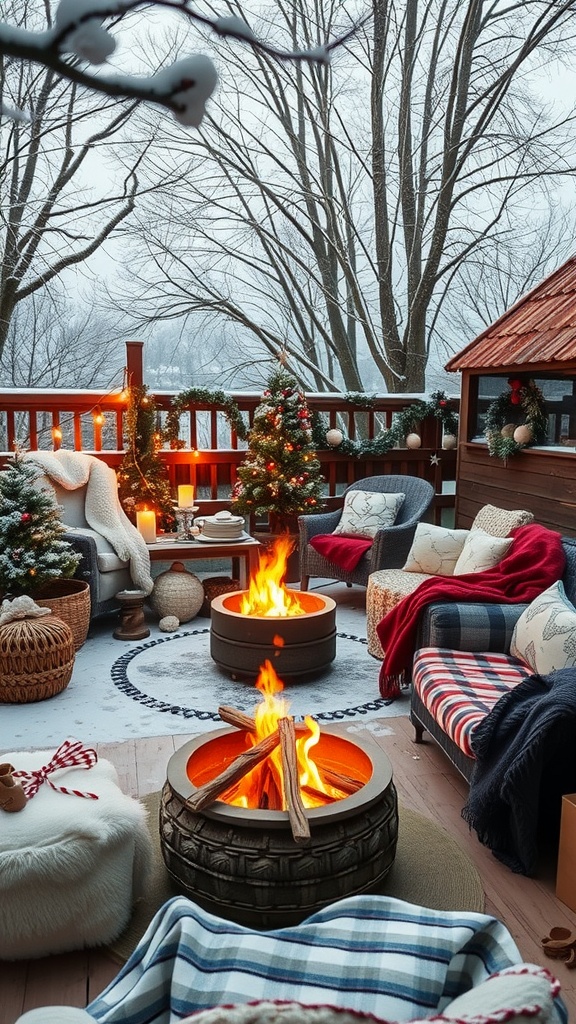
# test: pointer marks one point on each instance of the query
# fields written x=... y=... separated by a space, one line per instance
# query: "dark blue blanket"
x=525 y=753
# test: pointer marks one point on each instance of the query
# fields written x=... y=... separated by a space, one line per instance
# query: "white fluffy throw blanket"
x=102 y=509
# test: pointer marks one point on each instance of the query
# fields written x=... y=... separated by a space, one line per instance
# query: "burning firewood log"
x=237 y=768
x=296 y=813
x=240 y=720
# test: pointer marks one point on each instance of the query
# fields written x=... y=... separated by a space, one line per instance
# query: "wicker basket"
x=36 y=659
x=215 y=586
x=70 y=601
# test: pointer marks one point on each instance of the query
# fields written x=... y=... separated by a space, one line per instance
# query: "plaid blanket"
x=373 y=954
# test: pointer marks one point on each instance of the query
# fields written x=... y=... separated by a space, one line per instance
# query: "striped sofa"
x=462 y=666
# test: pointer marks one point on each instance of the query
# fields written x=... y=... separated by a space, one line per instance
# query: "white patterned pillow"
x=366 y=512
x=435 y=550
x=545 y=634
x=481 y=551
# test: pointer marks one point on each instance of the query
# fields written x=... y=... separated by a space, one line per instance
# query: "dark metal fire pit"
x=244 y=865
x=296 y=645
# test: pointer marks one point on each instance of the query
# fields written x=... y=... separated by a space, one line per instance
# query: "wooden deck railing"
x=93 y=421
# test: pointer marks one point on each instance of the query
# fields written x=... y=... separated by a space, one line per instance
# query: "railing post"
x=135 y=363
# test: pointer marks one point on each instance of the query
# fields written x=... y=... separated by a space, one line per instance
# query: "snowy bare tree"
x=338 y=205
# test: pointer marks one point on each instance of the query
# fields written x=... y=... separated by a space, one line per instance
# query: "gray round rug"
x=430 y=870
x=176 y=675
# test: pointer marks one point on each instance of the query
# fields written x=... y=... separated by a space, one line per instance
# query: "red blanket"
x=344 y=551
x=534 y=561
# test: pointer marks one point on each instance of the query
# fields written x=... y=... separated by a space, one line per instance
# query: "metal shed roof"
x=539 y=328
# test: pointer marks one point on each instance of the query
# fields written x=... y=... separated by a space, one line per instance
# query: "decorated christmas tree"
x=280 y=473
x=143 y=481
x=32 y=552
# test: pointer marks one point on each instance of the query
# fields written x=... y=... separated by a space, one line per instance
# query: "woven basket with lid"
x=177 y=592
x=36 y=659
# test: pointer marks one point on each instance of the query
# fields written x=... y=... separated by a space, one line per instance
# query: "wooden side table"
x=132 y=625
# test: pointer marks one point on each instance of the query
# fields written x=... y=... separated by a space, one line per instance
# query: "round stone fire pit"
x=297 y=645
x=244 y=865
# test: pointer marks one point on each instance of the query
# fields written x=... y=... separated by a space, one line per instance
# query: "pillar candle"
x=146 y=523
x=185 y=496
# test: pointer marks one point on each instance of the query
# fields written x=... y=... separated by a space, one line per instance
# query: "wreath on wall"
x=516 y=419
x=201 y=396
x=403 y=429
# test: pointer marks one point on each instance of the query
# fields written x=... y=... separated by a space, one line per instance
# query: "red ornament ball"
x=25 y=517
x=515 y=398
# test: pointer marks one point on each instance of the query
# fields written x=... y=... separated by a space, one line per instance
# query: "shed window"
x=560 y=398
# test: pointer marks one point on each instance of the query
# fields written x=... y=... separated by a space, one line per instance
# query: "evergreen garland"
x=403 y=424
x=32 y=552
x=522 y=404
x=280 y=472
x=201 y=396
x=143 y=480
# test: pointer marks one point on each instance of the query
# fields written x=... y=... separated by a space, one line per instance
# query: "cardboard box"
x=566 y=871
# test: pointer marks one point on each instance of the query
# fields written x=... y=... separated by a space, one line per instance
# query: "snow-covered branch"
x=80 y=35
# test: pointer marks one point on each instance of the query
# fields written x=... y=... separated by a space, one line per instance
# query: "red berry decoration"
x=25 y=517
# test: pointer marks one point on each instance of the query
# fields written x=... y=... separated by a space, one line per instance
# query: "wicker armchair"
x=390 y=546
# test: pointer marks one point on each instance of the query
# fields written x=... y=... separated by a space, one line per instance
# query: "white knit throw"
x=102 y=508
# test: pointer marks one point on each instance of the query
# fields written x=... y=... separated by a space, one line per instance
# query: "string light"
x=56 y=434
x=98 y=416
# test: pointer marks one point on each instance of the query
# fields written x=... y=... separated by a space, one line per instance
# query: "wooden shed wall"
x=540 y=480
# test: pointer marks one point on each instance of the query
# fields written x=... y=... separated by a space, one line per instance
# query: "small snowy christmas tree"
x=32 y=552
x=280 y=473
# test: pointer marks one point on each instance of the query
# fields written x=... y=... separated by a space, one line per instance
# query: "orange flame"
x=267 y=594
x=268 y=777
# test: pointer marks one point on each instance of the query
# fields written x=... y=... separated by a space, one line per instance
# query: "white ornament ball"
x=449 y=442
x=413 y=441
x=169 y=624
x=334 y=437
x=523 y=434
x=508 y=430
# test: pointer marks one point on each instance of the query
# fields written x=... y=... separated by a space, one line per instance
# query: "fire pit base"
x=245 y=866
x=298 y=646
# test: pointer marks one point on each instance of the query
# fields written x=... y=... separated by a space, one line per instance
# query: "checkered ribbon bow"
x=70 y=754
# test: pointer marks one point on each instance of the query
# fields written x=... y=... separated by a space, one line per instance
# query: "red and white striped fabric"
x=70 y=754
x=459 y=688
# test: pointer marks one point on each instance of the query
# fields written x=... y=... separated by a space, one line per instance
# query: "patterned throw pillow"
x=366 y=512
x=481 y=551
x=499 y=521
x=435 y=550
x=545 y=635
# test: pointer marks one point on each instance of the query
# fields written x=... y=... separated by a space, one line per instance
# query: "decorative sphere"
x=177 y=593
x=523 y=434
x=449 y=442
x=334 y=437
x=413 y=441
x=169 y=624
x=508 y=430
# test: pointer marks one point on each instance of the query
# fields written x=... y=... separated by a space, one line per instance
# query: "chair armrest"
x=468 y=626
x=87 y=568
x=391 y=546
x=324 y=522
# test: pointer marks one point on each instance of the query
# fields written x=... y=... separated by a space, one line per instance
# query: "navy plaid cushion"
x=467 y=626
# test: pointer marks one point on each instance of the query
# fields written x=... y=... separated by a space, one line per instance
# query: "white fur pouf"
x=70 y=867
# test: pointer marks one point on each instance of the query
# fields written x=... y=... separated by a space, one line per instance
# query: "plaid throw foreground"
x=373 y=954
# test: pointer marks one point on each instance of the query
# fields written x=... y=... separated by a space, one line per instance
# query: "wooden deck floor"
x=426 y=782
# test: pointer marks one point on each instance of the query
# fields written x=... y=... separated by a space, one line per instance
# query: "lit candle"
x=185 y=496
x=146 y=523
